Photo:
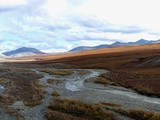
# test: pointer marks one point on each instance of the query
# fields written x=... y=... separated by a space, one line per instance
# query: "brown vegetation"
x=62 y=72
x=83 y=72
x=54 y=81
x=76 y=108
x=56 y=93
x=22 y=84
x=101 y=80
x=110 y=104
x=139 y=114
x=145 y=84
x=55 y=115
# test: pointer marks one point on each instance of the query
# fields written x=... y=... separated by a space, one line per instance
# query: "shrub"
x=111 y=104
x=155 y=117
x=137 y=114
x=80 y=109
x=54 y=81
x=56 y=93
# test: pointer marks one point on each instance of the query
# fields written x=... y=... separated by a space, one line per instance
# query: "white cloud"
x=59 y=25
x=12 y=2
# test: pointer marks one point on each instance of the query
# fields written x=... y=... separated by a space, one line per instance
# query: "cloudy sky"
x=60 y=25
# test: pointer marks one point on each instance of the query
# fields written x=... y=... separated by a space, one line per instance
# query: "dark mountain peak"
x=142 y=40
x=117 y=43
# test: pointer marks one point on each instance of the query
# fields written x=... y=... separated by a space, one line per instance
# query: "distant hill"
x=139 y=42
x=83 y=48
x=24 y=51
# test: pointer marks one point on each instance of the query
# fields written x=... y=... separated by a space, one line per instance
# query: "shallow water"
x=1 y=89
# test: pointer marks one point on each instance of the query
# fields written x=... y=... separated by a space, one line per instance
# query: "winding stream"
x=1 y=89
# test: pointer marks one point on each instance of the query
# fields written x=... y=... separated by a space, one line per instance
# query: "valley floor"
x=30 y=90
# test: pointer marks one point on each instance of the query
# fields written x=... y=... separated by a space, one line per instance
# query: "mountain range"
x=26 y=51
x=139 y=42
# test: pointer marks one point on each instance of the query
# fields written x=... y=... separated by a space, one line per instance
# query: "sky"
x=60 y=25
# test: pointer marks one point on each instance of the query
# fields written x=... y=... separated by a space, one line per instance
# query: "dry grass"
x=54 y=81
x=56 y=93
x=144 y=89
x=110 y=104
x=139 y=114
x=101 y=80
x=79 y=109
x=62 y=72
x=83 y=72
x=144 y=84
x=155 y=117
x=4 y=81
x=36 y=98
x=54 y=115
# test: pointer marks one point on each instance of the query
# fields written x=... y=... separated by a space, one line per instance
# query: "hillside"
x=2 y=56
x=24 y=51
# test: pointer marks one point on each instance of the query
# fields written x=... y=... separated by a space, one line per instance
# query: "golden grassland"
x=110 y=51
